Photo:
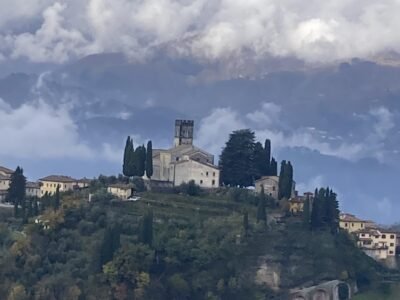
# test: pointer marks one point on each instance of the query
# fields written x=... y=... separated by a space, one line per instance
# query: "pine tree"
x=149 y=160
x=125 y=166
x=237 y=159
x=261 y=213
x=57 y=198
x=16 y=191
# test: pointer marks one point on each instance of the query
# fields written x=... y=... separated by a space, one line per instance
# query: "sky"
x=285 y=69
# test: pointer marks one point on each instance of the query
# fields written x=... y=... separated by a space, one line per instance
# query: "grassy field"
x=392 y=293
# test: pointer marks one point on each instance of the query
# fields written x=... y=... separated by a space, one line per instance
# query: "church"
x=184 y=161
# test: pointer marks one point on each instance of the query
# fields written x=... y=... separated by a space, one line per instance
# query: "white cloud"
x=228 y=30
x=37 y=130
x=214 y=131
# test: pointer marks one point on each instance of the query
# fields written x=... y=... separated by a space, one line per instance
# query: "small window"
x=392 y=236
x=345 y=224
x=362 y=234
x=384 y=236
x=214 y=174
x=362 y=225
x=201 y=181
x=391 y=244
x=390 y=252
x=213 y=182
x=352 y=224
x=206 y=173
x=273 y=188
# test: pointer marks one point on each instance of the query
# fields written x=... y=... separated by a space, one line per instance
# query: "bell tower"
x=183 y=132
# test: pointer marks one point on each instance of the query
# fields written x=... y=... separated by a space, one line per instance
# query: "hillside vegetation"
x=170 y=246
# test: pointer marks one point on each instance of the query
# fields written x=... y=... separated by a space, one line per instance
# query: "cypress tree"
x=125 y=166
x=282 y=180
x=146 y=232
x=149 y=160
x=16 y=191
x=306 y=213
x=132 y=161
x=274 y=168
x=140 y=154
x=57 y=198
x=30 y=207
x=261 y=213
x=246 y=223
x=110 y=244
x=267 y=149
x=260 y=162
x=289 y=179
x=35 y=207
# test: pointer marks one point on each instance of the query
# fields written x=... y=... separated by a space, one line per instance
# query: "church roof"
x=199 y=162
x=6 y=170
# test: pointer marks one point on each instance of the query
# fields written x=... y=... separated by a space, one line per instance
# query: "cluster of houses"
x=377 y=242
x=46 y=185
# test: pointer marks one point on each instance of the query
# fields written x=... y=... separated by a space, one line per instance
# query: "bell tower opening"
x=183 y=132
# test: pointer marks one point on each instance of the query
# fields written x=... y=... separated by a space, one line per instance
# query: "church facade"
x=184 y=161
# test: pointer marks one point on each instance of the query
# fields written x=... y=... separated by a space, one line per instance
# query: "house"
x=5 y=178
x=271 y=186
x=49 y=184
x=377 y=243
x=5 y=181
x=32 y=189
x=122 y=191
x=83 y=183
x=296 y=205
x=351 y=223
x=5 y=171
x=184 y=161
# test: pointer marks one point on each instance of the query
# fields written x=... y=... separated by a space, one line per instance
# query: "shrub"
x=191 y=188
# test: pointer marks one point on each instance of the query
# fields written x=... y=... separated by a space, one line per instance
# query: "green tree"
x=261 y=212
x=57 y=198
x=237 y=159
x=140 y=154
x=126 y=160
x=261 y=164
x=267 y=150
x=35 y=207
x=306 y=213
x=149 y=160
x=246 y=223
x=109 y=244
x=285 y=180
x=146 y=230
x=273 y=168
x=132 y=161
x=16 y=191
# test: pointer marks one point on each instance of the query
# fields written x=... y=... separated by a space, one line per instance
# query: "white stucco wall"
x=205 y=176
